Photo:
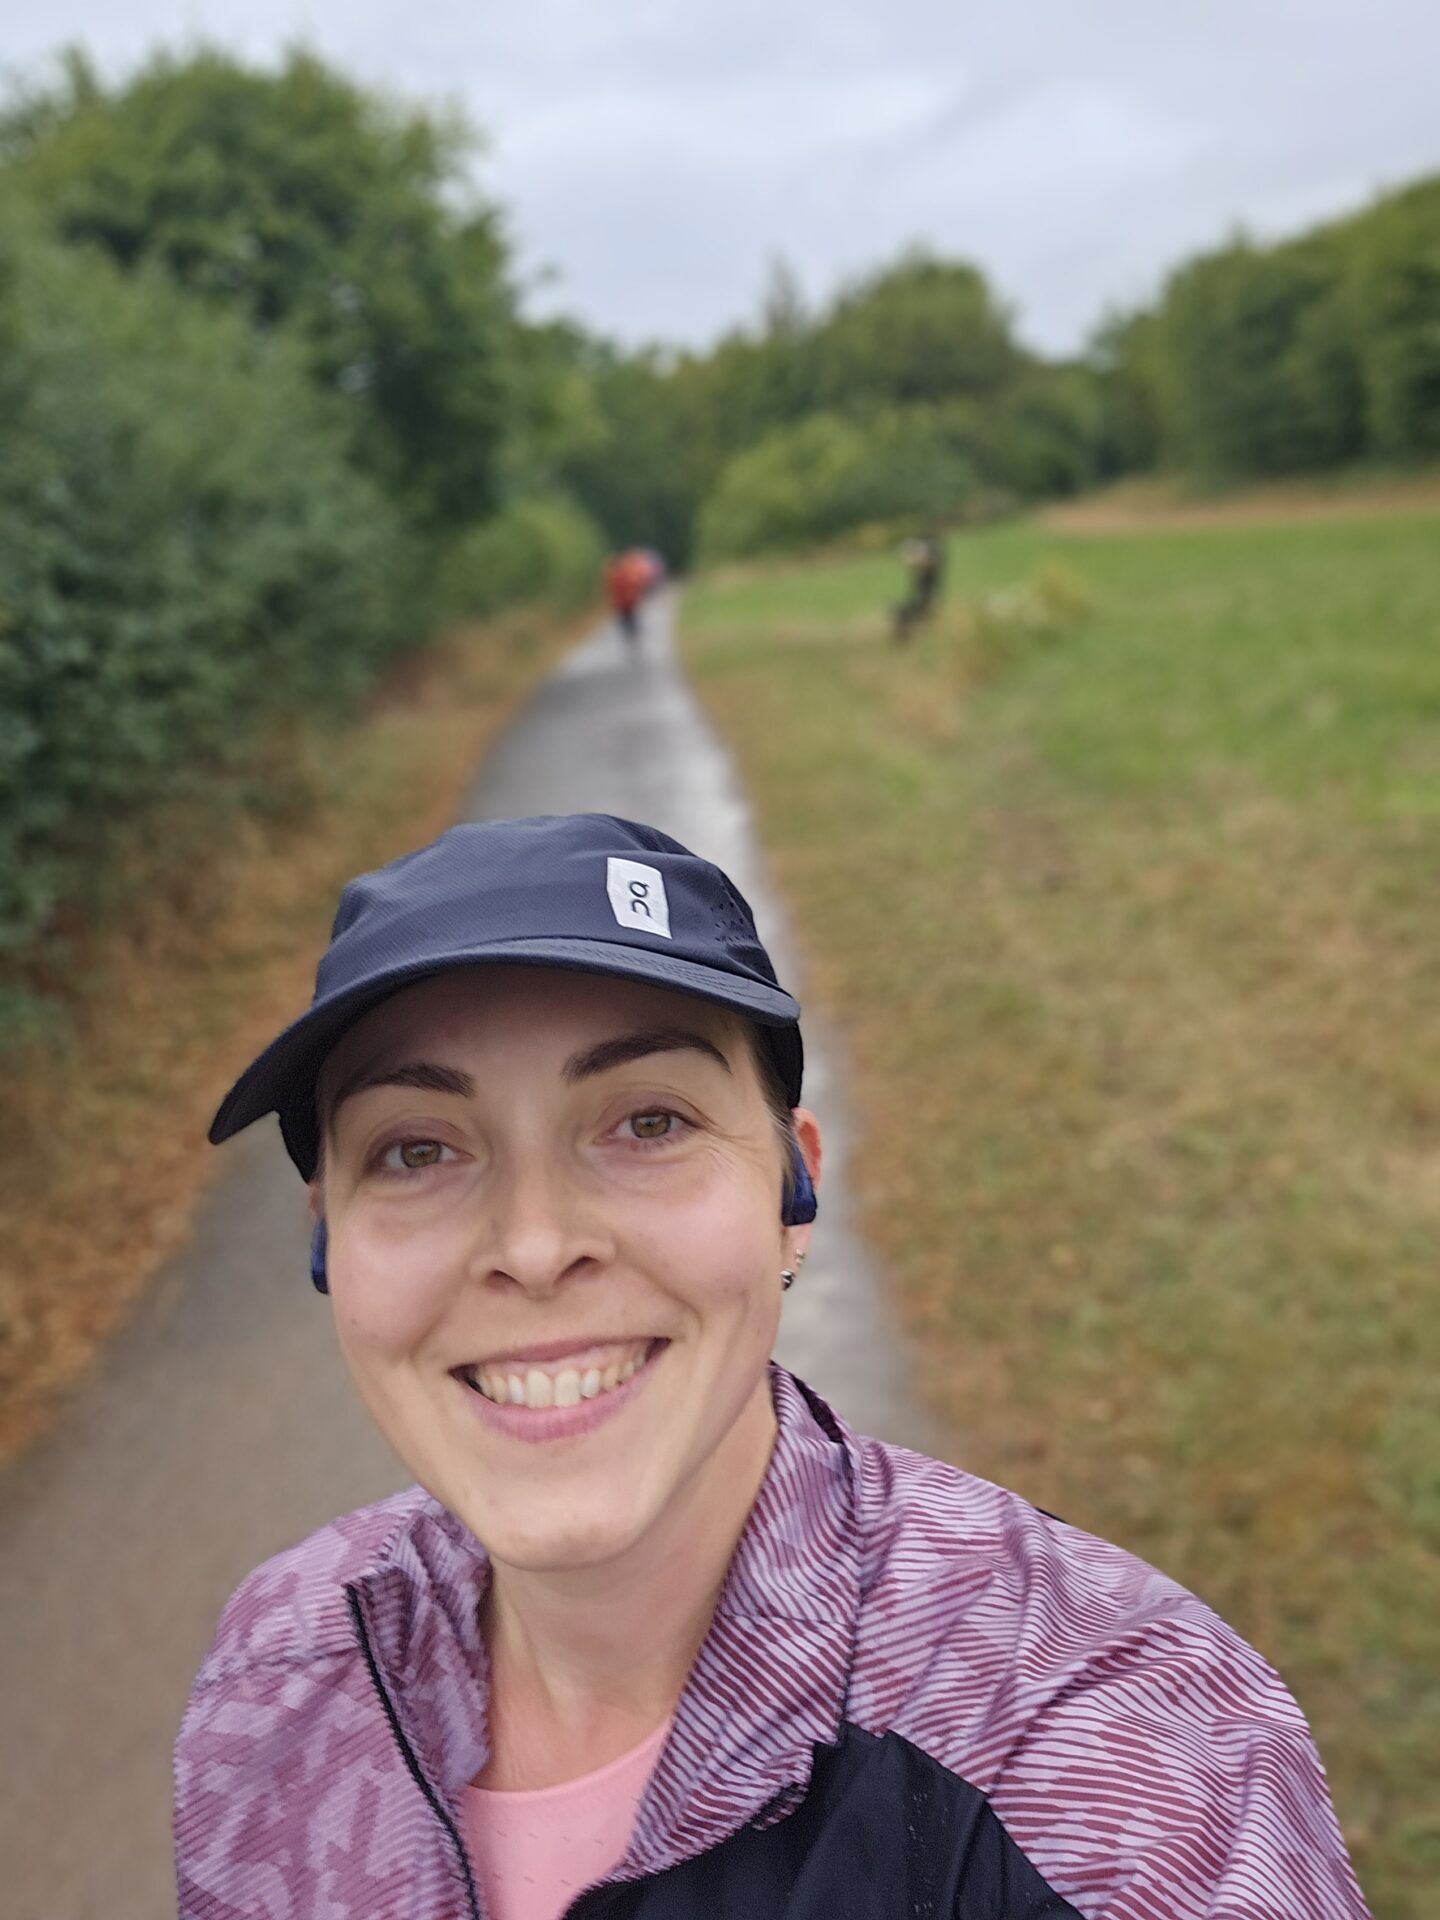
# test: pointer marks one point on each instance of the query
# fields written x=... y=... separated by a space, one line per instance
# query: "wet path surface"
x=221 y=1428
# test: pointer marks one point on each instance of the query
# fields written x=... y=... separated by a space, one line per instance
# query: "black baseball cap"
x=586 y=892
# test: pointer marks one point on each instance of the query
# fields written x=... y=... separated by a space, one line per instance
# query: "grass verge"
x=211 y=951
x=1158 y=504
x=1129 y=916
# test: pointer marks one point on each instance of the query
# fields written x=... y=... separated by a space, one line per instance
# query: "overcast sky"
x=658 y=153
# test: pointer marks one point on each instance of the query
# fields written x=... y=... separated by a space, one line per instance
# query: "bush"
x=1045 y=436
x=183 y=550
x=826 y=475
x=537 y=549
x=999 y=630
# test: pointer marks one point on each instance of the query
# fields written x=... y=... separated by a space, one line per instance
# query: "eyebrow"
x=430 y=1077
x=626 y=1047
x=424 y=1074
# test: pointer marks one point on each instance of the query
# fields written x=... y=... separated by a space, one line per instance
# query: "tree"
x=826 y=475
x=1256 y=369
x=1396 y=303
x=1121 y=354
x=309 y=204
x=1045 y=435
x=922 y=330
x=637 y=477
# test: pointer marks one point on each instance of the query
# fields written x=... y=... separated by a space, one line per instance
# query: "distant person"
x=658 y=1636
x=924 y=557
x=628 y=579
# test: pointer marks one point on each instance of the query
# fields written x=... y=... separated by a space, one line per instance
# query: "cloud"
x=660 y=152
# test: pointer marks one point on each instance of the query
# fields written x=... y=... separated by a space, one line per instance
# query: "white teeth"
x=539 y=1389
x=536 y=1388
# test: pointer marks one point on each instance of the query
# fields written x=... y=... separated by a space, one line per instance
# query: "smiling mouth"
x=566 y=1383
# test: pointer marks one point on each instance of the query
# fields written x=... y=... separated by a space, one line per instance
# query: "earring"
x=790 y=1274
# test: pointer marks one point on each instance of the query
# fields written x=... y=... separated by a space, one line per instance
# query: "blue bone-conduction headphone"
x=797 y=1211
x=799 y=1208
x=319 y=1247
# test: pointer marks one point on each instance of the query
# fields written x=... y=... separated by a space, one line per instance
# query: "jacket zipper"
x=407 y=1754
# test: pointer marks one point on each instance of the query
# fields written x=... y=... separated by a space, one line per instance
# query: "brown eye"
x=651 y=1126
x=420 y=1153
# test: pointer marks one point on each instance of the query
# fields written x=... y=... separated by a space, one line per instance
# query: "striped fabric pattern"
x=1146 y=1761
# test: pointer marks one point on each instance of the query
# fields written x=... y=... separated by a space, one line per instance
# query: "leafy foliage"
x=826 y=474
x=1257 y=370
x=1042 y=436
x=183 y=548
x=304 y=202
x=1292 y=358
x=1396 y=309
x=536 y=549
x=924 y=330
x=262 y=387
x=641 y=474
x=908 y=397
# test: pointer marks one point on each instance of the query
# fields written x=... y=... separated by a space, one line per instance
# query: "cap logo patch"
x=637 y=896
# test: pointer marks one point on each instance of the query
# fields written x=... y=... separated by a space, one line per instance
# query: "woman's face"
x=553 y=1209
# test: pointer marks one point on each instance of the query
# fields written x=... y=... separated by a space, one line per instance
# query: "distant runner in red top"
x=629 y=576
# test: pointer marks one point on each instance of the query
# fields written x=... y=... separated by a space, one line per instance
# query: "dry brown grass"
x=1168 y=506
x=105 y=1155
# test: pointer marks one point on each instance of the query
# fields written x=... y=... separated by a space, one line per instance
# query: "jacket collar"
x=771 y=1678
x=768 y=1686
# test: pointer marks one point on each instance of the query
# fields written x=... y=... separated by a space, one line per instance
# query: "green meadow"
x=1122 y=885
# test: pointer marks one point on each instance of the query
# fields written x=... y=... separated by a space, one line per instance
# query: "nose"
x=542 y=1229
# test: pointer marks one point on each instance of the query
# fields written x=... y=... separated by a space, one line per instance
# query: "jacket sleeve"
x=1169 y=1775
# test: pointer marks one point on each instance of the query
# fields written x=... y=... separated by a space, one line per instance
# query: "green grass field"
x=1130 y=916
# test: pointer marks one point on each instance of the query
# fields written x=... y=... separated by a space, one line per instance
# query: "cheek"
x=389 y=1291
x=719 y=1256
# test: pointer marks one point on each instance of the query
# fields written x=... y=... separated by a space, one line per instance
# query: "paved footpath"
x=220 y=1427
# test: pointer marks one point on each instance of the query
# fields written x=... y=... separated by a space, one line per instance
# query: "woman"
x=660 y=1636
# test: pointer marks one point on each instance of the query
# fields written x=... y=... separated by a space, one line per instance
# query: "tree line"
x=1314 y=353
x=909 y=396
x=270 y=409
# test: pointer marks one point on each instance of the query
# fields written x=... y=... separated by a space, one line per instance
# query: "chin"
x=562 y=1545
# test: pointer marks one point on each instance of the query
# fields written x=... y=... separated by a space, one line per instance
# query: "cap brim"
x=288 y=1066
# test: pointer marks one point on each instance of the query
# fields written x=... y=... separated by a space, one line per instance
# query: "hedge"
x=183 y=550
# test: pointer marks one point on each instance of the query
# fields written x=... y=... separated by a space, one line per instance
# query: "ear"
x=807 y=1132
x=800 y=1211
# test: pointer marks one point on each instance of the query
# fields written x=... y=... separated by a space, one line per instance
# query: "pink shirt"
x=534 y=1852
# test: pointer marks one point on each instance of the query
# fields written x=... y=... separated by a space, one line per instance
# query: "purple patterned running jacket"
x=918 y=1696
